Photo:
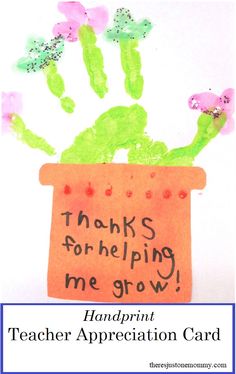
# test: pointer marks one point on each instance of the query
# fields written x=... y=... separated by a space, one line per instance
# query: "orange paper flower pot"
x=121 y=233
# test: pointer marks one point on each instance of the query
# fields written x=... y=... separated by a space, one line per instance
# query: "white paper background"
x=190 y=49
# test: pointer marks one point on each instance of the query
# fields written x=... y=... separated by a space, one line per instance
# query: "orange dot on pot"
x=148 y=194
x=153 y=174
x=167 y=194
x=182 y=194
x=129 y=193
x=89 y=191
x=67 y=189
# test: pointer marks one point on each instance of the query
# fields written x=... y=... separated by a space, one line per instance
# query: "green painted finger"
x=208 y=129
x=93 y=60
x=127 y=32
x=56 y=85
x=131 y=64
x=28 y=137
x=67 y=104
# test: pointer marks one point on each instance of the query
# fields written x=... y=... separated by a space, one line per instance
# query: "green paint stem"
x=28 y=137
x=149 y=152
x=208 y=128
x=93 y=60
x=131 y=64
x=127 y=32
x=123 y=128
x=50 y=69
x=118 y=128
x=67 y=104
x=56 y=85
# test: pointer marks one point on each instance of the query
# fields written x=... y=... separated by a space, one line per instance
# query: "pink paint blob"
x=66 y=29
x=203 y=101
x=73 y=11
x=97 y=18
x=11 y=104
x=206 y=101
x=77 y=15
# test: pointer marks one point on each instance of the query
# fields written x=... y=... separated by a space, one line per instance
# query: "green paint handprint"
x=119 y=127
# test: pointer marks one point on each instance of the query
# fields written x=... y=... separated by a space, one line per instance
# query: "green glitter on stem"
x=93 y=60
x=28 y=137
x=118 y=128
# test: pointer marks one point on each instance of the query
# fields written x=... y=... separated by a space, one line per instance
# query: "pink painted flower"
x=77 y=16
x=11 y=104
x=209 y=103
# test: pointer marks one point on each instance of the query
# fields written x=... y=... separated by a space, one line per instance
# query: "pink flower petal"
x=11 y=103
x=69 y=30
x=207 y=101
x=228 y=127
x=227 y=100
x=73 y=11
x=203 y=101
x=97 y=18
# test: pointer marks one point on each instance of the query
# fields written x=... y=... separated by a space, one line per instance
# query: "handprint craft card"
x=126 y=113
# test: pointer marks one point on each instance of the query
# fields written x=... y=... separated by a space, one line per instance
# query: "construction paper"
x=121 y=233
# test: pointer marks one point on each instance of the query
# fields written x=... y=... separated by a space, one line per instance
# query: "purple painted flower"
x=77 y=16
x=209 y=103
x=11 y=104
